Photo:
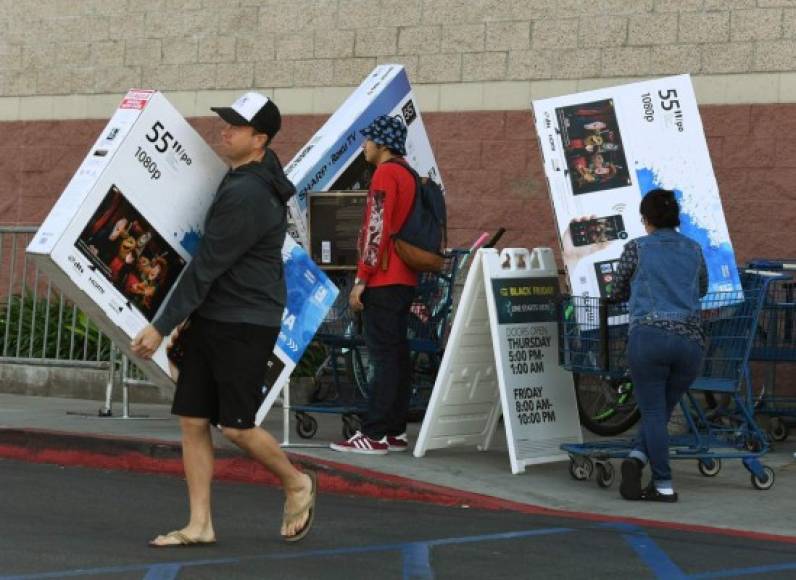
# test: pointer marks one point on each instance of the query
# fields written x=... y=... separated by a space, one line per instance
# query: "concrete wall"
x=71 y=383
x=65 y=47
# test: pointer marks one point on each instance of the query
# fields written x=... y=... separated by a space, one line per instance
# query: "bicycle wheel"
x=358 y=371
x=605 y=406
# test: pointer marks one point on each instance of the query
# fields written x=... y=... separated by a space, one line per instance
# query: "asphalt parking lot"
x=59 y=522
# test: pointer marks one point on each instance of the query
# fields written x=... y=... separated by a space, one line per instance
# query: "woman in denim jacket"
x=663 y=275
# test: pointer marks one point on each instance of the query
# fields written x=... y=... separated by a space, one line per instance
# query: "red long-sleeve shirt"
x=390 y=199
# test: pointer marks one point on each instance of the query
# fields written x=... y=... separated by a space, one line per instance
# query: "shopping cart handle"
x=494 y=240
x=772 y=264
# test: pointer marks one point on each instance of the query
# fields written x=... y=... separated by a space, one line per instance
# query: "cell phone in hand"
x=598 y=230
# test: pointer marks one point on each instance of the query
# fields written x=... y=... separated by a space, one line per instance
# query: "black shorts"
x=223 y=371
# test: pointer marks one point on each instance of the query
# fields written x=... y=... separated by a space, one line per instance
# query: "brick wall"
x=62 y=47
x=490 y=164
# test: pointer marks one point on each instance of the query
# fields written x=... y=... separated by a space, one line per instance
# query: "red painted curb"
x=145 y=456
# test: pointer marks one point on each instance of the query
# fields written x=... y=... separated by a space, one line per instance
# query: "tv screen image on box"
x=593 y=147
x=130 y=253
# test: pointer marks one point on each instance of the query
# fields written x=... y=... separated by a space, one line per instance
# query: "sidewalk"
x=454 y=476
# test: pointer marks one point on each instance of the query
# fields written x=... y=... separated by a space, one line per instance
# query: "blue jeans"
x=386 y=324
x=663 y=365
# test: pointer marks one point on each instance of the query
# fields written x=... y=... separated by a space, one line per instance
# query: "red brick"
x=503 y=212
x=725 y=120
x=475 y=183
x=38 y=161
x=9 y=210
x=38 y=134
x=750 y=244
x=749 y=213
x=732 y=182
x=519 y=126
x=509 y=157
x=530 y=186
x=773 y=121
x=715 y=148
x=33 y=210
x=759 y=228
x=10 y=164
x=757 y=197
x=465 y=126
x=208 y=127
x=464 y=237
x=778 y=186
x=68 y=159
x=43 y=183
x=454 y=155
x=748 y=152
x=300 y=127
x=785 y=152
x=459 y=216
x=12 y=133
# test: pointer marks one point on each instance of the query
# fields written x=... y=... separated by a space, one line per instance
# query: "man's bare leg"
x=197 y=459
x=262 y=447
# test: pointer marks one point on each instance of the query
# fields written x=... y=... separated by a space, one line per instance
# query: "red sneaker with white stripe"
x=397 y=442
x=359 y=443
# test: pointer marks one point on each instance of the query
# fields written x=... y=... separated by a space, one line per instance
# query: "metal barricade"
x=40 y=326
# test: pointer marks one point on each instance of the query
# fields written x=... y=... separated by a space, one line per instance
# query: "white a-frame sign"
x=502 y=357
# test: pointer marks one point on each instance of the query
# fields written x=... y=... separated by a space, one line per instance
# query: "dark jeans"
x=386 y=321
x=663 y=365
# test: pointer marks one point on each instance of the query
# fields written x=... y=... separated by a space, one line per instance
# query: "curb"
x=165 y=458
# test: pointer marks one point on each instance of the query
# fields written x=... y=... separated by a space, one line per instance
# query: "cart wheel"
x=605 y=474
x=765 y=483
x=580 y=468
x=306 y=426
x=351 y=424
x=778 y=429
x=709 y=467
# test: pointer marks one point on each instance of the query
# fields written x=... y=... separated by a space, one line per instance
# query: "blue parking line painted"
x=291 y=555
x=416 y=558
x=503 y=536
x=163 y=572
x=417 y=562
x=734 y=573
x=650 y=553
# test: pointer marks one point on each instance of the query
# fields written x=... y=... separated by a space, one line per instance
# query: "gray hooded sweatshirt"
x=237 y=273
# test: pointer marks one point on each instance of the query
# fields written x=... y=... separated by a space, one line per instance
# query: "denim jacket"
x=663 y=275
x=666 y=284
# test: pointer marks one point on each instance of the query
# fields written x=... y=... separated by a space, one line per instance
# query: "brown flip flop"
x=308 y=508
x=181 y=541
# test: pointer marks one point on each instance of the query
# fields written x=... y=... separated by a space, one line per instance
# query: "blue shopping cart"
x=775 y=343
x=593 y=340
x=346 y=369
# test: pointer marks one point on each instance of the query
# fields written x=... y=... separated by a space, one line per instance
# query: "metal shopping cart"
x=593 y=340
x=343 y=379
x=775 y=343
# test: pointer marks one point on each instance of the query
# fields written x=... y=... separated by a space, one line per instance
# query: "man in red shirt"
x=383 y=291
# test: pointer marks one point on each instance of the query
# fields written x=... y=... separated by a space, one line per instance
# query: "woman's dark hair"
x=660 y=209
